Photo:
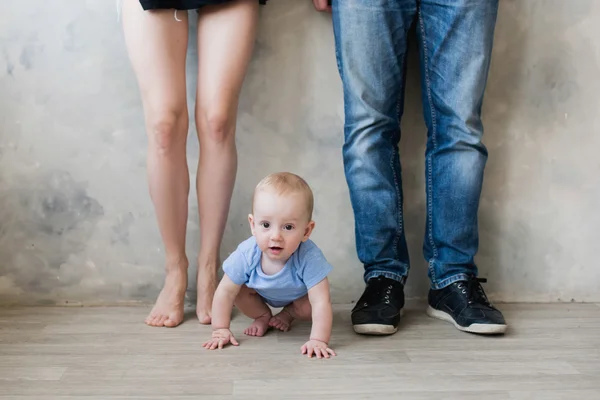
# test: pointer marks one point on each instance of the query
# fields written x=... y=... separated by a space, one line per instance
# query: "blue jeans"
x=455 y=42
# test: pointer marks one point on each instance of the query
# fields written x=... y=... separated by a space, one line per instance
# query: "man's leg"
x=455 y=38
x=371 y=47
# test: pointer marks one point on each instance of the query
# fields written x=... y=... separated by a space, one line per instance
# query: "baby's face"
x=280 y=223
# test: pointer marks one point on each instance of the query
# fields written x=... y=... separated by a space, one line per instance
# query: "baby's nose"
x=276 y=236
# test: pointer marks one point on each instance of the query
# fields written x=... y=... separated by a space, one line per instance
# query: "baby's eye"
x=288 y=227
x=265 y=225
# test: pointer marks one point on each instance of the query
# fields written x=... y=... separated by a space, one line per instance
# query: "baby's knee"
x=302 y=308
x=246 y=292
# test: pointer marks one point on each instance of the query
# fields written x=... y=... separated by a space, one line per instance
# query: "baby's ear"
x=308 y=230
x=251 y=222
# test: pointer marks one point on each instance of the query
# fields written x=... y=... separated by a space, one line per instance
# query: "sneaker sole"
x=376 y=329
x=484 y=329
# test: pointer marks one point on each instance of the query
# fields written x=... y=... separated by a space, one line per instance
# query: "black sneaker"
x=465 y=305
x=378 y=310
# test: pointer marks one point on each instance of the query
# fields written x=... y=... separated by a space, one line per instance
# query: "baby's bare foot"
x=168 y=310
x=259 y=327
x=281 y=321
x=207 y=284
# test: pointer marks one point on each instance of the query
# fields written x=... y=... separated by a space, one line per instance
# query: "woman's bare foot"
x=168 y=310
x=259 y=327
x=207 y=284
x=281 y=321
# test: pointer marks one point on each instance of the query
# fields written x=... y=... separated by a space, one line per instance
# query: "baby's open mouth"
x=275 y=250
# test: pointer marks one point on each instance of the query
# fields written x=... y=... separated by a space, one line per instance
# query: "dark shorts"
x=182 y=4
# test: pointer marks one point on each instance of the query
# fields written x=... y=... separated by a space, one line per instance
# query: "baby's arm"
x=322 y=321
x=221 y=314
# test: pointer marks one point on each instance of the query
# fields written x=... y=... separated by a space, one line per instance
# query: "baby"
x=279 y=266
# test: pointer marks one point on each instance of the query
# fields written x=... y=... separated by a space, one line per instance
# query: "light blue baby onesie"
x=304 y=269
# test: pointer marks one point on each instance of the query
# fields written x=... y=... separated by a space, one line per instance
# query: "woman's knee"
x=168 y=131
x=219 y=126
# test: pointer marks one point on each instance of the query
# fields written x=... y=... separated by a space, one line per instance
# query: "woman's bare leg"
x=157 y=45
x=226 y=35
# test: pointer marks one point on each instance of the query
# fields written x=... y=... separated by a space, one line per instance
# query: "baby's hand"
x=321 y=349
x=220 y=338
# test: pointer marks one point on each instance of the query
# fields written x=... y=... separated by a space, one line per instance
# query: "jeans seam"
x=391 y=275
x=399 y=204
x=434 y=141
x=450 y=280
x=396 y=155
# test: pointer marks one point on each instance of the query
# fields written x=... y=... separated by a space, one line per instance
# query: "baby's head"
x=281 y=216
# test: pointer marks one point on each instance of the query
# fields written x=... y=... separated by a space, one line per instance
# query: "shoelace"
x=475 y=294
x=378 y=292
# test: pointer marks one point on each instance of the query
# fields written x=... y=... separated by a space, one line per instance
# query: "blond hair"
x=286 y=182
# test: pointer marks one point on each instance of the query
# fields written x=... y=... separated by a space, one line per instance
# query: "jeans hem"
x=391 y=275
x=449 y=281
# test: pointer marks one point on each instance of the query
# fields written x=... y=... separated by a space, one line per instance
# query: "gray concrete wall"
x=77 y=225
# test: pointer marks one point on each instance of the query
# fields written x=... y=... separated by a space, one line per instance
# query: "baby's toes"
x=281 y=326
x=277 y=324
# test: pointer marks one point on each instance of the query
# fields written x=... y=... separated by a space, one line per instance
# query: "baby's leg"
x=251 y=304
x=299 y=309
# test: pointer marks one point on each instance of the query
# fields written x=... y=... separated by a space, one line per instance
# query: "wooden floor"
x=551 y=352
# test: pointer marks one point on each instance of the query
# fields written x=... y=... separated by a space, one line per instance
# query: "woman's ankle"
x=210 y=261
x=177 y=264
